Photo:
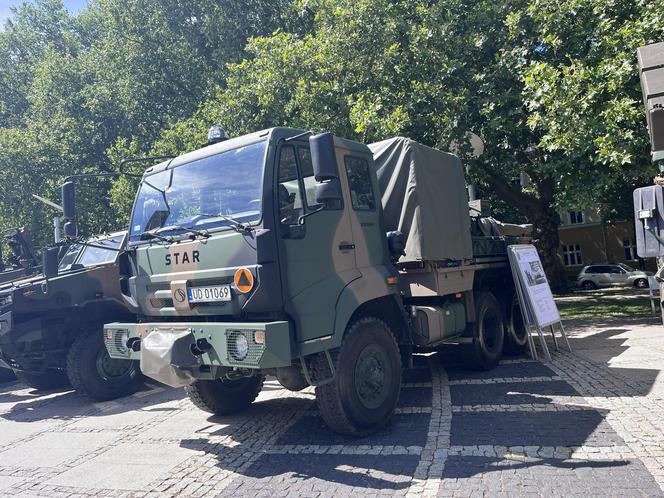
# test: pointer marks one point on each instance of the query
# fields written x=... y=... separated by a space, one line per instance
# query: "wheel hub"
x=111 y=369
x=372 y=379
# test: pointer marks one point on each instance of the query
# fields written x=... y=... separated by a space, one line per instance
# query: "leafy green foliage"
x=558 y=79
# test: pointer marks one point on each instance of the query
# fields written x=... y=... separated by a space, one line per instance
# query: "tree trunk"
x=539 y=211
x=546 y=222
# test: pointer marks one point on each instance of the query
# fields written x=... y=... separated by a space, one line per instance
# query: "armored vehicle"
x=51 y=324
x=318 y=260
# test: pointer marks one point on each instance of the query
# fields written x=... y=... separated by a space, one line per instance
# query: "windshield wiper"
x=193 y=231
x=152 y=234
x=235 y=224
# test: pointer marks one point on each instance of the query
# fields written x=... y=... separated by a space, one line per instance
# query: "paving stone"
x=53 y=449
x=568 y=428
x=511 y=393
x=329 y=475
x=527 y=369
x=403 y=430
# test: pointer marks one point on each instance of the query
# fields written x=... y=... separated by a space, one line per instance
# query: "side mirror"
x=71 y=230
x=323 y=157
x=50 y=262
x=69 y=200
x=328 y=194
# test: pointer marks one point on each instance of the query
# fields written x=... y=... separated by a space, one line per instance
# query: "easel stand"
x=527 y=312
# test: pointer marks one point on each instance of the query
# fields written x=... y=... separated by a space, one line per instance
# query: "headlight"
x=241 y=347
x=5 y=300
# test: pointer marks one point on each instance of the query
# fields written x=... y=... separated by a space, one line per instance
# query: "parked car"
x=612 y=275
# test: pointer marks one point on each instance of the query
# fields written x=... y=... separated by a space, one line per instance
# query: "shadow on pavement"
x=60 y=404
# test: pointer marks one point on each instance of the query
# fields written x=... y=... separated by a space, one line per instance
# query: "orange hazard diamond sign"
x=244 y=280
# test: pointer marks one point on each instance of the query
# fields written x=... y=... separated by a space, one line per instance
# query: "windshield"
x=103 y=252
x=208 y=193
x=626 y=267
x=69 y=257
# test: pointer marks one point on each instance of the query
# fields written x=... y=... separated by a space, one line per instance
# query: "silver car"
x=611 y=275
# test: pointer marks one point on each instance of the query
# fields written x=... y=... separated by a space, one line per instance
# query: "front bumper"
x=211 y=344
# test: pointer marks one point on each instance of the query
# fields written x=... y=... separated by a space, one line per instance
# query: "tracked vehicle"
x=319 y=260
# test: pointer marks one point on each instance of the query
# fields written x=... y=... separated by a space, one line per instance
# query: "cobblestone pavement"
x=589 y=423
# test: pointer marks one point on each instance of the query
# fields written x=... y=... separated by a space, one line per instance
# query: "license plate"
x=209 y=294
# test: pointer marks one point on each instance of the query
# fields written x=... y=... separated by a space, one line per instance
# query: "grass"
x=604 y=304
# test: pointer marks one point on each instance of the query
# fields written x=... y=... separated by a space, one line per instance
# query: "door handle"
x=345 y=246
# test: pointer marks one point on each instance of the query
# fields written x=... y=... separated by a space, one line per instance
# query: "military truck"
x=316 y=259
x=649 y=201
x=51 y=324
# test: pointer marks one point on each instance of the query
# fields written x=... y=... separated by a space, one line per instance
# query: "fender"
x=372 y=285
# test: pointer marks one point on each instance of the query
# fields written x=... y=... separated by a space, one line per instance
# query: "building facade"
x=585 y=239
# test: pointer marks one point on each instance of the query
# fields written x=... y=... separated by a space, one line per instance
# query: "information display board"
x=536 y=301
x=535 y=285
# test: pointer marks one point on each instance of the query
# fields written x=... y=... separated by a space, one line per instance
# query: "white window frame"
x=572 y=255
x=576 y=217
x=630 y=245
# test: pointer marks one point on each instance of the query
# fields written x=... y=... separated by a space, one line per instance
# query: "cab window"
x=359 y=181
x=289 y=194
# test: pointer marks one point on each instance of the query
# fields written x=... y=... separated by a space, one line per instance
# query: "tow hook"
x=134 y=343
x=201 y=346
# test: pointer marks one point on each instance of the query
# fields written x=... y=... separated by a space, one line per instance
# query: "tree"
x=556 y=79
x=75 y=89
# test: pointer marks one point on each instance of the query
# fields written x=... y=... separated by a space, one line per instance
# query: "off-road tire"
x=488 y=332
x=83 y=368
x=516 y=332
x=44 y=381
x=7 y=375
x=225 y=397
x=588 y=285
x=641 y=283
x=339 y=401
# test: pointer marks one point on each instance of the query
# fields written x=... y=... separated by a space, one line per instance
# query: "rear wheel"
x=488 y=332
x=588 y=285
x=43 y=381
x=223 y=396
x=365 y=390
x=516 y=333
x=94 y=373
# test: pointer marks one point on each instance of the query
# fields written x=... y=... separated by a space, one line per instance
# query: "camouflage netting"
x=424 y=197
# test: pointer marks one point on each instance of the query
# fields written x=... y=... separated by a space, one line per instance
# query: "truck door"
x=370 y=249
x=318 y=255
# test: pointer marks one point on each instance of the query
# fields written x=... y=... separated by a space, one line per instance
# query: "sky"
x=72 y=5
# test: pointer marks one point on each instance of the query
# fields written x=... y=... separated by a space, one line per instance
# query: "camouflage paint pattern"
x=315 y=283
x=45 y=315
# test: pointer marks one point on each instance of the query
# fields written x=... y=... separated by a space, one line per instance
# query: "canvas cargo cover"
x=424 y=197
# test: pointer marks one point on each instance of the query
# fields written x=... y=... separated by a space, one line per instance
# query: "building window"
x=575 y=217
x=572 y=255
x=629 y=245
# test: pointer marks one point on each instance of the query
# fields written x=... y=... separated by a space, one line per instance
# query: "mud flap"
x=167 y=358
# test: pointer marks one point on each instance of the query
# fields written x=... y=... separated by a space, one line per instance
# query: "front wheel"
x=365 y=390
x=94 y=373
x=488 y=332
x=43 y=381
x=225 y=396
x=641 y=283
